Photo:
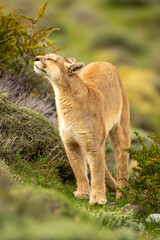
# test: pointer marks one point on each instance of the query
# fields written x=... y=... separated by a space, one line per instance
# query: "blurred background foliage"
x=123 y=32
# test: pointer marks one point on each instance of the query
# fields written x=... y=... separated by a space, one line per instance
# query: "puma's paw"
x=94 y=200
x=82 y=195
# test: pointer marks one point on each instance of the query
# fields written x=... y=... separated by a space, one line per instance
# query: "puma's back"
x=105 y=78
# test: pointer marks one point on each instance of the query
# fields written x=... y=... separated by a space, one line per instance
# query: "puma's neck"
x=71 y=89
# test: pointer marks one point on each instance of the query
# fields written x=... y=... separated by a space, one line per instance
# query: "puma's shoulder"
x=97 y=68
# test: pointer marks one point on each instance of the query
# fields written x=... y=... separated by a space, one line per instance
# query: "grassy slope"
x=33 y=202
x=31 y=212
x=28 y=137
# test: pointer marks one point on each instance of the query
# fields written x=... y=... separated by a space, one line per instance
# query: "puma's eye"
x=50 y=59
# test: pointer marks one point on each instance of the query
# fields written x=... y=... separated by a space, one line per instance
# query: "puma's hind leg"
x=120 y=136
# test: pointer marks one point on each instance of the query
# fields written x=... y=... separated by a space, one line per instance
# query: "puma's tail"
x=110 y=181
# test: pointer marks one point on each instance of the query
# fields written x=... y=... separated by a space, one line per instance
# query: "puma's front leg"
x=96 y=162
x=79 y=166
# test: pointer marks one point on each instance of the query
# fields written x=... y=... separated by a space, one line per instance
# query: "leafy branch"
x=21 y=41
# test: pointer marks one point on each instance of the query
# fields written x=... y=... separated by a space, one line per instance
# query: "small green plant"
x=144 y=184
x=21 y=39
x=118 y=219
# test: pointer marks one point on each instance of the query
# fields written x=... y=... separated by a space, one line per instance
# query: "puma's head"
x=54 y=66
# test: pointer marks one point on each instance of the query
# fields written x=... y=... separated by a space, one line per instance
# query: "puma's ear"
x=71 y=60
x=73 y=67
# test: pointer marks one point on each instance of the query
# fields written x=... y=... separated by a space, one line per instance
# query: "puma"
x=90 y=105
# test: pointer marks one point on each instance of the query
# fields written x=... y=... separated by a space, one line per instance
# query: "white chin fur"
x=37 y=70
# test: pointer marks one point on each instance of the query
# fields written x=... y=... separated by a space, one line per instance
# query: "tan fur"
x=90 y=106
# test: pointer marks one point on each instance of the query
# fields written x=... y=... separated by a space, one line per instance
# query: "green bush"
x=21 y=39
x=144 y=184
x=29 y=142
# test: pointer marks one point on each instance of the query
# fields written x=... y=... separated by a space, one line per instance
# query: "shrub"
x=144 y=184
x=21 y=39
x=29 y=142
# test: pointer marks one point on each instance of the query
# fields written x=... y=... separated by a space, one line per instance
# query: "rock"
x=136 y=208
x=155 y=217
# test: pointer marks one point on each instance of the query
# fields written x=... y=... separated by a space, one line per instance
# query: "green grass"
x=42 y=195
x=36 y=205
x=29 y=211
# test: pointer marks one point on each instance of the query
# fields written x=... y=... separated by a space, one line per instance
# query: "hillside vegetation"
x=36 y=180
x=37 y=213
x=28 y=137
x=44 y=183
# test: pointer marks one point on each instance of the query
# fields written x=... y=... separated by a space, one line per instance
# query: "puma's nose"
x=37 y=59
